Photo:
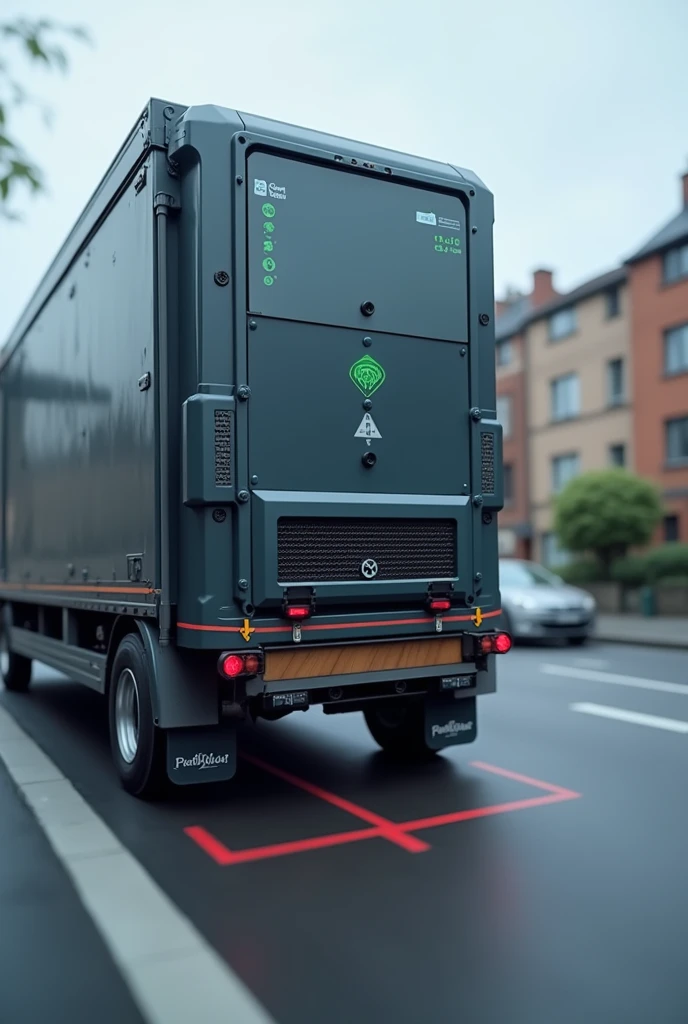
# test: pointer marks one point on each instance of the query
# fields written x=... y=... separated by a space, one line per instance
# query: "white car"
x=538 y=605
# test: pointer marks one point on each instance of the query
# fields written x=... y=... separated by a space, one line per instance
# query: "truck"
x=250 y=461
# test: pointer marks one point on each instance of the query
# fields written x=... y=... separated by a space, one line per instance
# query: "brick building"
x=511 y=315
x=658 y=285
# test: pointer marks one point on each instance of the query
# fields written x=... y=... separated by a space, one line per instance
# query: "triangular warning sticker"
x=367 y=428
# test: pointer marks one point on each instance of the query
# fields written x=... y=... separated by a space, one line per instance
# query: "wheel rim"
x=4 y=654
x=127 y=715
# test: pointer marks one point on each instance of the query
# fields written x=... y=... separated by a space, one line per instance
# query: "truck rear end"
x=250 y=460
x=356 y=448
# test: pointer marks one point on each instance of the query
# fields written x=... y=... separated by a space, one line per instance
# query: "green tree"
x=33 y=40
x=606 y=512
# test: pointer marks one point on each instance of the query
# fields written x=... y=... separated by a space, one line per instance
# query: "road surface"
x=538 y=875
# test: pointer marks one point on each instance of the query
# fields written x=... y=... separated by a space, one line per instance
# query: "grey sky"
x=574 y=114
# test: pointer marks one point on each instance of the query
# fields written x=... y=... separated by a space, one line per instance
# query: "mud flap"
x=450 y=718
x=201 y=755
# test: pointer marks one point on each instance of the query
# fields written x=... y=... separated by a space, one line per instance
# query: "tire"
x=138 y=746
x=577 y=641
x=15 y=669
x=399 y=728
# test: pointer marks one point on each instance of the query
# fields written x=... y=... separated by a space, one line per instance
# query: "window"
x=612 y=301
x=676 y=440
x=552 y=554
x=508 y=477
x=671 y=529
x=504 y=413
x=617 y=454
x=523 y=574
x=676 y=263
x=615 y=382
x=562 y=323
x=564 y=468
x=676 y=350
x=504 y=353
x=565 y=397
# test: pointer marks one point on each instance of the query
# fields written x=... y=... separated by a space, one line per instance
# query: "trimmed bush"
x=580 y=572
x=666 y=561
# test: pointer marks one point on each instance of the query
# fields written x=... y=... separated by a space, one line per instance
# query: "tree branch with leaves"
x=34 y=41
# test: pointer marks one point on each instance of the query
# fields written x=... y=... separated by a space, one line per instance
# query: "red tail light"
x=232 y=665
x=439 y=604
x=495 y=643
x=297 y=611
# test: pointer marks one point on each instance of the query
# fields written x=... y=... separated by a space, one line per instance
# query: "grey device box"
x=263 y=356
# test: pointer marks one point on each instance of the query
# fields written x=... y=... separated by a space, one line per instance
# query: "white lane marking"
x=173 y=973
x=592 y=676
x=634 y=717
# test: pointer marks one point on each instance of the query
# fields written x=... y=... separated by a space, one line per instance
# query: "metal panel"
x=323 y=242
x=80 y=441
x=83 y=666
x=306 y=409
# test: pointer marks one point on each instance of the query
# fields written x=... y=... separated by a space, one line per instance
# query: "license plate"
x=568 y=618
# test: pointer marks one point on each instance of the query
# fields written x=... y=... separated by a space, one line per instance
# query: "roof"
x=671 y=234
x=513 y=318
x=521 y=313
x=584 y=291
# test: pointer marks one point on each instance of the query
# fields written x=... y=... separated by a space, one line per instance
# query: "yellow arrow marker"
x=477 y=618
x=246 y=630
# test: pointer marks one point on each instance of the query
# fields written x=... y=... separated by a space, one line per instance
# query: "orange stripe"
x=77 y=587
x=337 y=625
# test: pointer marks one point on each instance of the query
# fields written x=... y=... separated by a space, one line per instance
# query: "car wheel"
x=577 y=641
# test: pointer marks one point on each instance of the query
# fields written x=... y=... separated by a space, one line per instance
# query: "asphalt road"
x=538 y=876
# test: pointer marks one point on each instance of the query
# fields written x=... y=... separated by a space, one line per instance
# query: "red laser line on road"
x=387 y=829
x=383 y=828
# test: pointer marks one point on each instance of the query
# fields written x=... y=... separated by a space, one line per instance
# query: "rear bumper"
x=474 y=677
x=525 y=627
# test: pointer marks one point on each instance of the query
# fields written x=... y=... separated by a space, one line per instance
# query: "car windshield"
x=526 y=574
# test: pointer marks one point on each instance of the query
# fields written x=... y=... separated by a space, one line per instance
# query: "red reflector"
x=440 y=605
x=298 y=611
x=502 y=643
x=251 y=664
x=486 y=644
x=233 y=665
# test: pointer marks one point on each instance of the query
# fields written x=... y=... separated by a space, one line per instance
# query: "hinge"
x=140 y=182
x=135 y=568
x=163 y=199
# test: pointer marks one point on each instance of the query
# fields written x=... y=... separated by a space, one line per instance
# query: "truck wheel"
x=138 y=746
x=399 y=728
x=15 y=669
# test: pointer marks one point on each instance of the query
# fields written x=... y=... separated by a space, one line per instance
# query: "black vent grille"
x=487 y=462
x=223 y=448
x=334 y=550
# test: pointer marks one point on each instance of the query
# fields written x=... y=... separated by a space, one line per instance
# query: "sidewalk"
x=53 y=962
x=655 y=631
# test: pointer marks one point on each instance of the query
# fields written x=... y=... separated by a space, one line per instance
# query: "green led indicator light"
x=268 y=245
x=367 y=375
x=268 y=281
x=268 y=210
x=268 y=264
x=269 y=227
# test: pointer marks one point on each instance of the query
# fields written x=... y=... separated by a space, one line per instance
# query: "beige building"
x=578 y=399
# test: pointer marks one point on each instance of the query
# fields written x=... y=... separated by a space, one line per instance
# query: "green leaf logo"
x=367 y=375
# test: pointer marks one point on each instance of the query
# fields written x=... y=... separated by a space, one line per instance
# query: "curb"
x=676 y=645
